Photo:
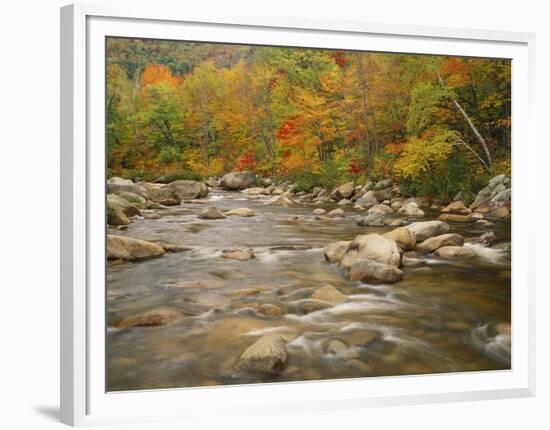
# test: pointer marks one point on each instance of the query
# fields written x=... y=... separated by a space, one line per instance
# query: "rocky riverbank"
x=277 y=267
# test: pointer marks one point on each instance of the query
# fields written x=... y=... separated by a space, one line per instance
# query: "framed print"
x=263 y=215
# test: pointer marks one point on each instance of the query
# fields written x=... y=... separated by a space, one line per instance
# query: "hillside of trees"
x=437 y=125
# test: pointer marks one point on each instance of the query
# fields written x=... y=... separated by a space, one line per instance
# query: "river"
x=440 y=318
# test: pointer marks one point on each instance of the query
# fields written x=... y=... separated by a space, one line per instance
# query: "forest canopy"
x=437 y=125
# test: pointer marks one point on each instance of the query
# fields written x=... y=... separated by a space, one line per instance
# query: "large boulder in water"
x=424 y=230
x=238 y=181
x=129 y=248
x=183 y=189
x=372 y=247
x=405 y=238
x=268 y=355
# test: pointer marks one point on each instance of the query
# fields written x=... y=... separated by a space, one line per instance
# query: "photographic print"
x=282 y=214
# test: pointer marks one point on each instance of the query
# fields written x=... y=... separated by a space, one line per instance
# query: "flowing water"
x=440 y=318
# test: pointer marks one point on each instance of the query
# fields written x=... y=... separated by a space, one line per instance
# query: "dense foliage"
x=188 y=110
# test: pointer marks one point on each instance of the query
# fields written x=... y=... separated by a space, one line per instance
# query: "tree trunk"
x=477 y=134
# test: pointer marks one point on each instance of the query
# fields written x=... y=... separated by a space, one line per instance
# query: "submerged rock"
x=329 y=294
x=242 y=212
x=456 y=218
x=153 y=317
x=269 y=310
x=267 y=355
x=238 y=254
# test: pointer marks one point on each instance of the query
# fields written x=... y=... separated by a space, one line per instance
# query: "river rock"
x=307 y=306
x=238 y=180
x=455 y=252
x=368 y=200
x=484 y=223
x=436 y=242
x=405 y=238
x=213 y=182
x=496 y=194
x=188 y=189
x=238 y=254
x=329 y=294
x=456 y=207
x=211 y=213
x=488 y=238
x=384 y=183
x=425 y=229
x=343 y=191
x=375 y=219
x=281 y=201
x=335 y=251
x=153 y=317
x=382 y=195
x=242 y=212
x=115 y=180
x=129 y=248
x=115 y=202
x=336 y=213
x=455 y=218
x=116 y=217
x=255 y=191
x=344 y=202
x=118 y=187
x=502 y=212
x=267 y=355
x=380 y=208
x=398 y=222
x=372 y=247
x=411 y=209
x=269 y=310
x=319 y=211
x=133 y=198
x=373 y=271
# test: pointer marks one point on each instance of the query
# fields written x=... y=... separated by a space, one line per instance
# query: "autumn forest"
x=436 y=125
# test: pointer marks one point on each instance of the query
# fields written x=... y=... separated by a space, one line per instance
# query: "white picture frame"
x=83 y=397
